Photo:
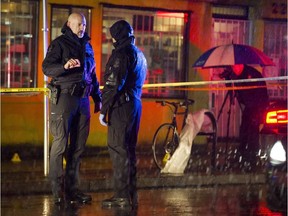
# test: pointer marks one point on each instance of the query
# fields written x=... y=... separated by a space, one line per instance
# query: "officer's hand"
x=72 y=63
x=102 y=119
x=97 y=107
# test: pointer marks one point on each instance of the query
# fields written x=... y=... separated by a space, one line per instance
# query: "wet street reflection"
x=206 y=201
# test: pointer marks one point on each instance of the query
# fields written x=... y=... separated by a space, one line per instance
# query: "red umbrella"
x=231 y=54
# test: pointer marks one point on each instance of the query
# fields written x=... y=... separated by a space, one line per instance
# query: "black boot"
x=57 y=191
x=58 y=199
x=116 y=202
x=78 y=196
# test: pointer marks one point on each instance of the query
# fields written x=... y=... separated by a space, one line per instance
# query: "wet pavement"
x=227 y=190
x=239 y=200
x=27 y=176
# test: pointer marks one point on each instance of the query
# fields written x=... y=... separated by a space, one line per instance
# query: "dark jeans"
x=69 y=125
x=123 y=130
x=249 y=134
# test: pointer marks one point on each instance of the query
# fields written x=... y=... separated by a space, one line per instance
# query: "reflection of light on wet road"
x=263 y=210
x=232 y=200
x=207 y=201
x=46 y=206
x=178 y=201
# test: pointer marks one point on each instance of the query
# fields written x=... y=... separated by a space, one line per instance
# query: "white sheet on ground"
x=194 y=123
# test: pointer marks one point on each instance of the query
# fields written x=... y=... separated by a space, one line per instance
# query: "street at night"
x=209 y=201
x=144 y=108
x=25 y=190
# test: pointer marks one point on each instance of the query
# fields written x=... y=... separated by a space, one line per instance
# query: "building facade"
x=172 y=35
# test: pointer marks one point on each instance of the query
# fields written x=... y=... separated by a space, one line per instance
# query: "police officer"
x=121 y=98
x=70 y=63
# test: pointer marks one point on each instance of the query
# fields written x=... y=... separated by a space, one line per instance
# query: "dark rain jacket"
x=65 y=47
x=257 y=95
x=125 y=71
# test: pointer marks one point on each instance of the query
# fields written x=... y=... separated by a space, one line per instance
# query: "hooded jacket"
x=126 y=68
x=67 y=46
x=254 y=97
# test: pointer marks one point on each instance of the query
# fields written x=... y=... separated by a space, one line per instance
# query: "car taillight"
x=277 y=117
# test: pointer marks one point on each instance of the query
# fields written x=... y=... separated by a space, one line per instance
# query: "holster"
x=78 y=89
x=123 y=98
x=54 y=93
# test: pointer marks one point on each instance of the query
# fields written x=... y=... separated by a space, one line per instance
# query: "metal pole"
x=46 y=99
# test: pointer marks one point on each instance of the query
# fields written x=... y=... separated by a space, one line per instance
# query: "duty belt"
x=76 y=90
x=65 y=91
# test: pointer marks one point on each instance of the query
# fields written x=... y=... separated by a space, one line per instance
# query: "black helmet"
x=121 y=29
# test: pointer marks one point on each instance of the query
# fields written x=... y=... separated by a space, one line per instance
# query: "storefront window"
x=18 y=43
x=160 y=36
x=275 y=46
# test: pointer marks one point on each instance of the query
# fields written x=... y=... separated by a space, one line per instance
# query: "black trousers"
x=123 y=130
x=249 y=134
x=69 y=126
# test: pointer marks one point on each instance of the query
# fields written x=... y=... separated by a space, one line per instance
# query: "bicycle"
x=166 y=138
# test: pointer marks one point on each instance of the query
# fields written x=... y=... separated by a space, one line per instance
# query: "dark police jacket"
x=67 y=46
x=125 y=74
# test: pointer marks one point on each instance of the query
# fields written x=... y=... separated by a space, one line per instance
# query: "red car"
x=274 y=137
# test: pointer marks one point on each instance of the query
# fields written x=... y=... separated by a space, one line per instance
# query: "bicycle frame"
x=174 y=109
x=166 y=138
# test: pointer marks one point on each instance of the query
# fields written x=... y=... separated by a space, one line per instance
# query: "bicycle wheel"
x=165 y=142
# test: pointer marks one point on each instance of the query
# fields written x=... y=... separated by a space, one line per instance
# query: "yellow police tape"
x=177 y=84
x=17 y=90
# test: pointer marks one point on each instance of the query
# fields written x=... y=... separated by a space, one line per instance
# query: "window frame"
x=184 y=52
x=25 y=75
x=274 y=33
x=229 y=105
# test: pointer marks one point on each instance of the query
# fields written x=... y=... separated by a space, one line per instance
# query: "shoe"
x=116 y=202
x=80 y=197
x=58 y=200
x=57 y=191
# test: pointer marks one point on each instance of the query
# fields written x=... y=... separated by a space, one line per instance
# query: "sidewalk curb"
x=188 y=180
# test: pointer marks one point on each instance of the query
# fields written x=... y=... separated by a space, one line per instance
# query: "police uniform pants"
x=122 y=138
x=69 y=125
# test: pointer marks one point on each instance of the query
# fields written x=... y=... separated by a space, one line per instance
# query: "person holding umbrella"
x=253 y=97
x=253 y=100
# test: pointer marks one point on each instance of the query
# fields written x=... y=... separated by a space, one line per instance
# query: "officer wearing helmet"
x=124 y=77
